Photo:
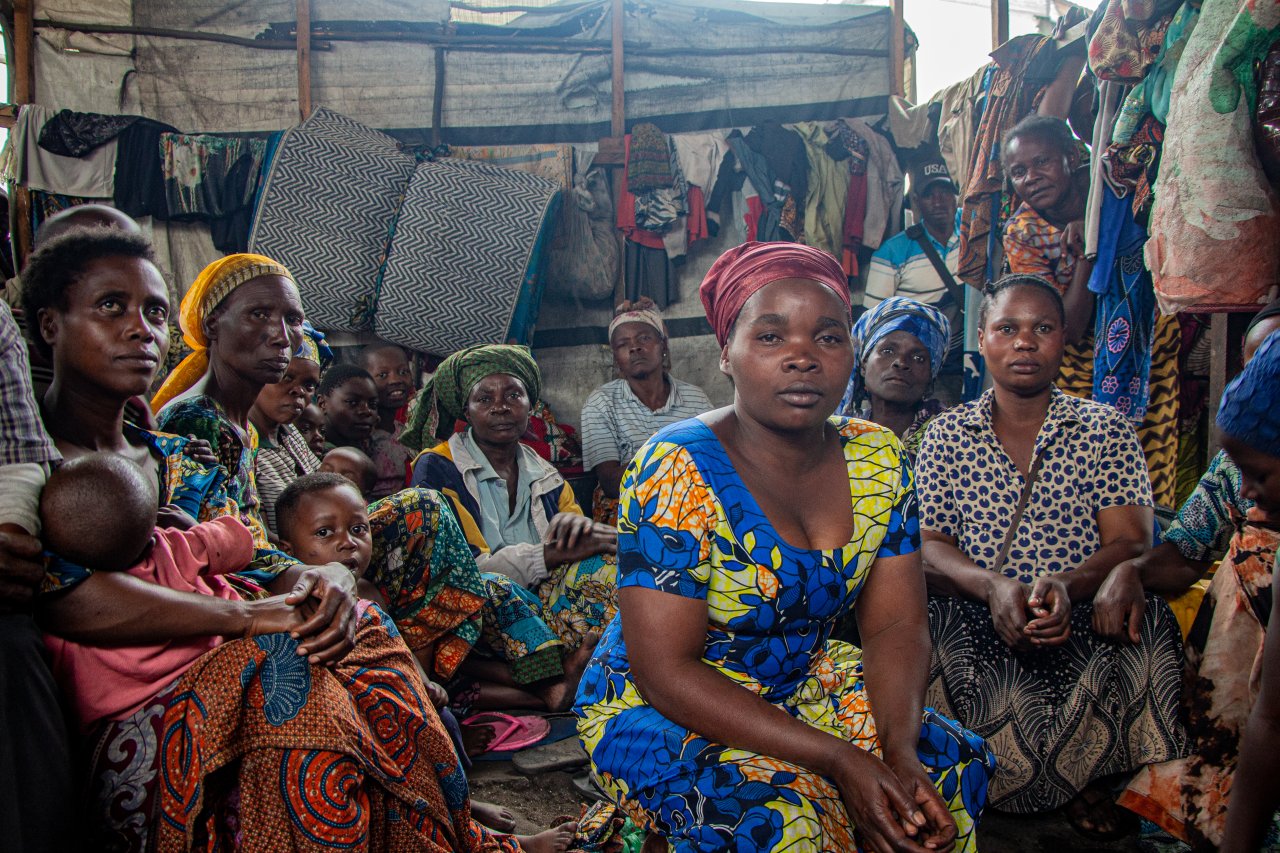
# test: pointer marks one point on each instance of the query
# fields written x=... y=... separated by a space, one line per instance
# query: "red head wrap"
x=741 y=271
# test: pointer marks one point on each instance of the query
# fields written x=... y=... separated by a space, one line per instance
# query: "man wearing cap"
x=910 y=264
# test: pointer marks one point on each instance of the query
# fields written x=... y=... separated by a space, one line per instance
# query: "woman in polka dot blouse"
x=1015 y=656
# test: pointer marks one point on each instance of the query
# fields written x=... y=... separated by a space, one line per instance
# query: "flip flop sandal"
x=510 y=733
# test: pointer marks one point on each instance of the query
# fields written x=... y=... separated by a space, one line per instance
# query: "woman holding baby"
x=223 y=754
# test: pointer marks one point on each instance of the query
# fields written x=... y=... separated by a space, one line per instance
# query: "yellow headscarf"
x=213 y=285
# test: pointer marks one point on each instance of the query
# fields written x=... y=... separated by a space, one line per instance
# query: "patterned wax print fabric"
x=689 y=527
x=1056 y=719
x=393 y=462
x=1032 y=245
x=203 y=417
x=1188 y=797
x=256 y=749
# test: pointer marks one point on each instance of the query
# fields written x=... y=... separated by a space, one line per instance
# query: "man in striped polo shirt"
x=902 y=266
x=621 y=415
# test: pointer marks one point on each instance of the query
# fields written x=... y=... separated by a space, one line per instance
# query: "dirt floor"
x=537 y=801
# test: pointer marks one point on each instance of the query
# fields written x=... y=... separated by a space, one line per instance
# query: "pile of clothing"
x=834 y=185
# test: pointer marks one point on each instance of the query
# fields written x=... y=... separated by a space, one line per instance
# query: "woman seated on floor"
x=517 y=512
x=1028 y=498
x=283 y=452
x=623 y=414
x=726 y=718
x=243 y=319
x=898 y=350
x=254 y=716
x=1045 y=237
x=1187 y=797
x=1251 y=435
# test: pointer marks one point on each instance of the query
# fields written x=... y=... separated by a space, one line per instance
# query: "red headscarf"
x=741 y=271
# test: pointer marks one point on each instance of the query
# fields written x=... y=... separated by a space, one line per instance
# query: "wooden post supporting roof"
x=618 y=122
x=999 y=22
x=897 y=50
x=22 y=67
x=303 y=27
x=618 y=129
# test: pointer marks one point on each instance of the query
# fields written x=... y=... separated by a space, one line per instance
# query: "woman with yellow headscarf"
x=243 y=319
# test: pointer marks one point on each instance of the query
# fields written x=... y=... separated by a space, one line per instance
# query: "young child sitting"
x=322 y=518
x=354 y=464
x=112 y=683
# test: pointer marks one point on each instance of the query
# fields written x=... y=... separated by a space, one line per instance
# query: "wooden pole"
x=897 y=50
x=618 y=124
x=618 y=129
x=24 y=92
x=437 y=101
x=999 y=22
x=304 y=58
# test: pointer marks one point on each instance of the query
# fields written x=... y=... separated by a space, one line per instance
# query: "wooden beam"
x=24 y=49
x=897 y=49
x=618 y=123
x=437 y=101
x=303 y=14
x=618 y=129
x=1219 y=347
x=999 y=22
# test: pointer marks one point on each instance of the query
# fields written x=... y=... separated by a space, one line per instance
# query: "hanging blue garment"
x=1125 y=313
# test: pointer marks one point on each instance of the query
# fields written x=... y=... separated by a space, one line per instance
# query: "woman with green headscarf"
x=517 y=512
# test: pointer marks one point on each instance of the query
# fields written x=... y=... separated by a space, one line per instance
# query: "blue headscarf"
x=1247 y=413
x=314 y=347
x=895 y=314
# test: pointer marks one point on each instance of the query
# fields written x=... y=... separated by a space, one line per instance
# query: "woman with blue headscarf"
x=898 y=350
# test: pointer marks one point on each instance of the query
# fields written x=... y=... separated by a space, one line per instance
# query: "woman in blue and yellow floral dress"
x=727 y=719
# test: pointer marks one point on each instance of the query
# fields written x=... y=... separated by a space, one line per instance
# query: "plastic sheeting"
x=674 y=78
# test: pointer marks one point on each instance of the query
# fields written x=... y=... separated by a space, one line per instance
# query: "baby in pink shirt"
x=99 y=511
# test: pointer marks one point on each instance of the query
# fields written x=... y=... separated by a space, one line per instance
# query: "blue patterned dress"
x=688 y=526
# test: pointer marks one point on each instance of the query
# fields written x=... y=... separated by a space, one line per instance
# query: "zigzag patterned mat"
x=463 y=242
x=433 y=256
x=326 y=212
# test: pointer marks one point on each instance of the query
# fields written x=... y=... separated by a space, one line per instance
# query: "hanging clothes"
x=762 y=179
x=1125 y=312
x=1024 y=65
x=1215 y=218
x=72 y=134
x=828 y=189
x=648 y=159
x=699 y=156
x=213 y=178
x=34 y=167
x=139 y=179
x=956 y=123
x=784 y=151
x=884 y=186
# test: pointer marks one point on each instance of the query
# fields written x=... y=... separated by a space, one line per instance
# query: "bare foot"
x=476 y=740
x=559 y=694
x=552 y=841
x=493 y=816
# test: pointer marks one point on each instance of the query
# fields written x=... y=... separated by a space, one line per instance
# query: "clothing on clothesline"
x=72 y=134
x=139 y=179
x=91 y=176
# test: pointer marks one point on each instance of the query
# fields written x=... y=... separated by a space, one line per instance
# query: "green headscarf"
x=444 y=399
